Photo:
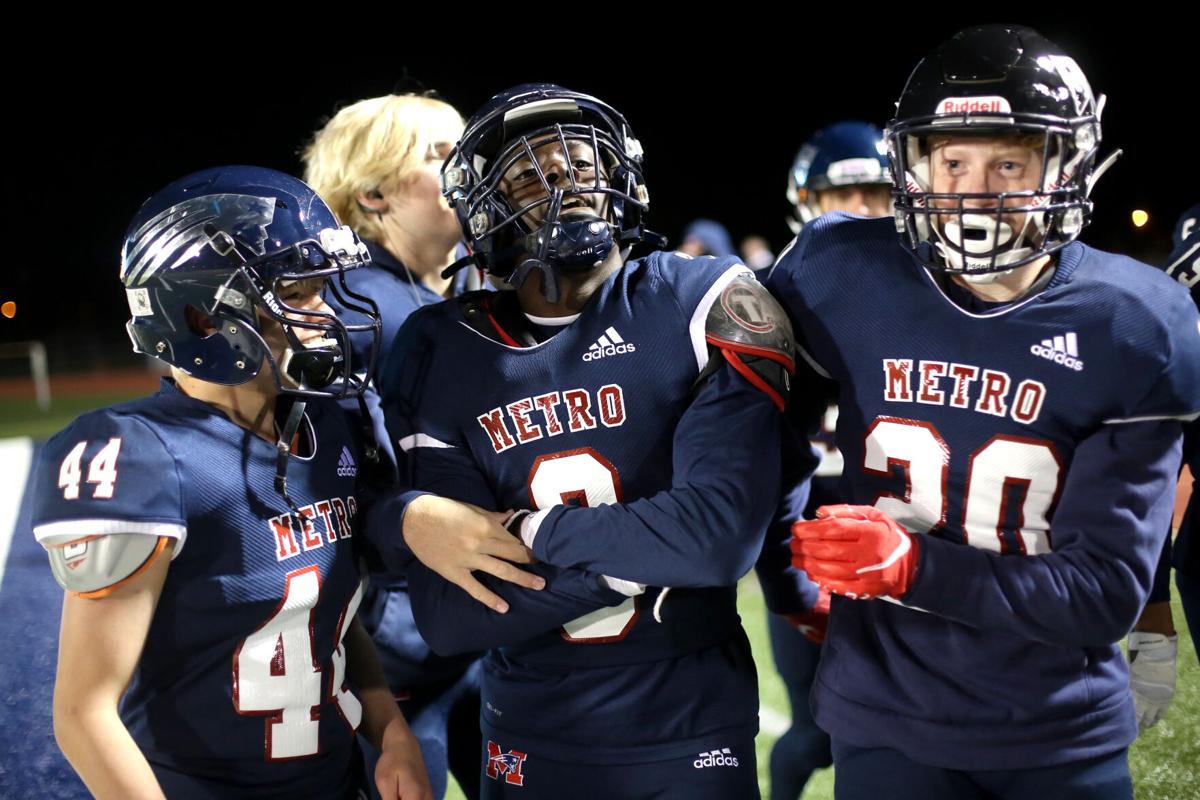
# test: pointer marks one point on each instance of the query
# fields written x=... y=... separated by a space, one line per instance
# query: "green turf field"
x=1165 y=761
x=21 y=417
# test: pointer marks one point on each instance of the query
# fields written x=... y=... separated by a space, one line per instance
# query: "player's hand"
x=856 y=551
x=814 y=623
x=454 y=539
x=400 y=772
x=1151 y=675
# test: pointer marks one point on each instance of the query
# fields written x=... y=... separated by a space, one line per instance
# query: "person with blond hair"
x=376 y=163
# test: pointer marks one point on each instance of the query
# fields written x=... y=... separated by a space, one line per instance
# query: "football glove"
x=1151 y=674
x=856 y=551
x=814 y=623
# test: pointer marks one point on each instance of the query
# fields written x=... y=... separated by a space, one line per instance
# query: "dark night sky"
x=720 y=123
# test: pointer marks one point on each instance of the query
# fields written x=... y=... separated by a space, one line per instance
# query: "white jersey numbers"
x=276 y=672
x=583 y=477
x=1011 y=484
x=102 y=471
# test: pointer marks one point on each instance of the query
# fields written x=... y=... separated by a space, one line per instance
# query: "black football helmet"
x=995 y=80
x=503 y=236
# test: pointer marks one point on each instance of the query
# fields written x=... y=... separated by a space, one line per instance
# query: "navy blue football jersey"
x=1184 y=266
x=639 y=474
x=1042 y=433
x=240 y=685
x=1184 y=262
x=391 y=285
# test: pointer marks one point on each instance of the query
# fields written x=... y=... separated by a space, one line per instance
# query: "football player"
x=206 y=535
x=619 y=404
x=376 y=163
x=1010 y=404
x=1153 y=643
x=1184 y=266
x=843 y=167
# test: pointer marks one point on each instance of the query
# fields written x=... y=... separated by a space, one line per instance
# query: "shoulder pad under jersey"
x=93 y=566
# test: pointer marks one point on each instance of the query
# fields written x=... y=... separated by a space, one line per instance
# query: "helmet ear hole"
x=198 y=322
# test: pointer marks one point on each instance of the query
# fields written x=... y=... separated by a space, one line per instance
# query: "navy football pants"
x=804 y=748
x=508 y=775
x=874 y=773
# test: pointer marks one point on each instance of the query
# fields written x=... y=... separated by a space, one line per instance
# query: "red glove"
x=856 y=551
x=815 y=622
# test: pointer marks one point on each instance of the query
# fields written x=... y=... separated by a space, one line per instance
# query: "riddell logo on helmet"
x=991 y=104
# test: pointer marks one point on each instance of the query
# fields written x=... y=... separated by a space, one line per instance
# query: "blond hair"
x=371 y=144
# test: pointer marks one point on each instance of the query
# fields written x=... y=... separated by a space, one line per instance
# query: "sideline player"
x=843 y=167
x=622 y=402
x=376 y=163
x=1009 y=403
x=1153 y=644
x=1184 y=266
x=206 y=535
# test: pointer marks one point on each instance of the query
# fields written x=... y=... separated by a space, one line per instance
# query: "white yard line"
x=15 y=458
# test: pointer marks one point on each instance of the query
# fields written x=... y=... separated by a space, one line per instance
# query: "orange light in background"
x=1140 y=218
x=9 y=309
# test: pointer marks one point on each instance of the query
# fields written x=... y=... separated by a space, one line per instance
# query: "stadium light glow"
x=1140 y=217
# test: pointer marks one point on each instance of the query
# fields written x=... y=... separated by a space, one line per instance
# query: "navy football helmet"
x=224 y=242
x=556 y=228
x=848 y=153
x=995 y=80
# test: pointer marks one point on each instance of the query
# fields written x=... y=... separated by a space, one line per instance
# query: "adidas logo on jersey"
x=715 y=758
x=346 y=466
x=610 y=344
x=1061 y=350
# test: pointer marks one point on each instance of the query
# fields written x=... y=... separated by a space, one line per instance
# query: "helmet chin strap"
x=570 y=247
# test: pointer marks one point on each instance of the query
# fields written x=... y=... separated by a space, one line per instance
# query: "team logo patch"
x=715 y=758
x=1062 y=350
x=609 y=344
x=346 y=466
x=508 y=763
x=745 y=307
x=989 y=104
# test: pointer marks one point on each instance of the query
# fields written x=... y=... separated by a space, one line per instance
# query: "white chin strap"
x=970 y=242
